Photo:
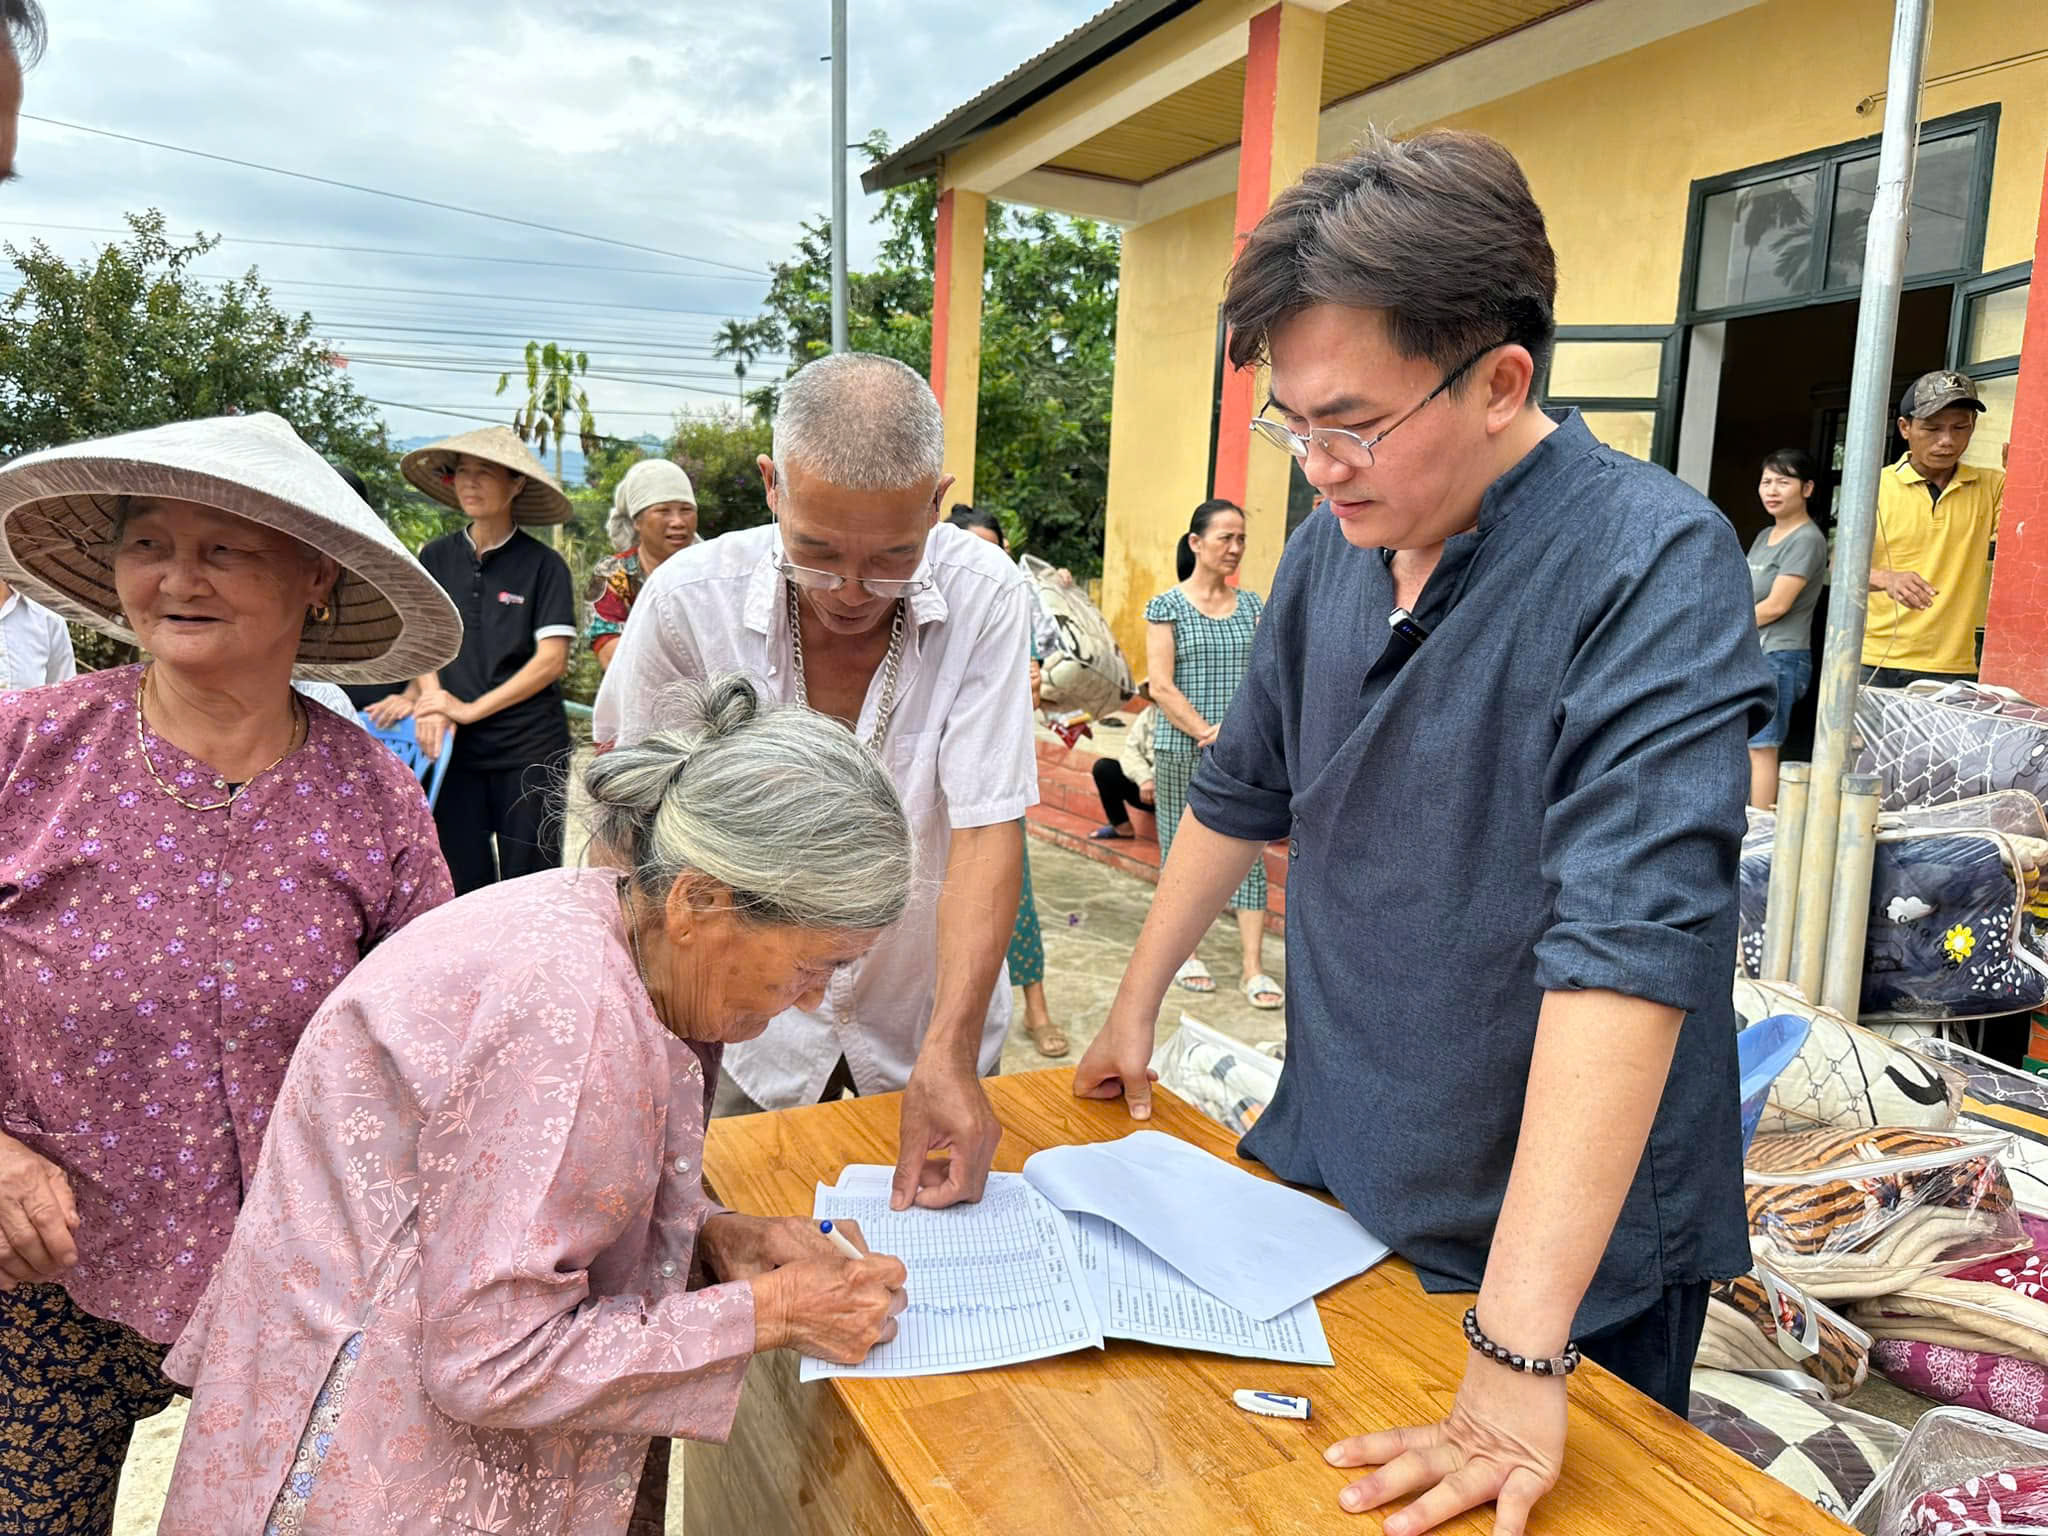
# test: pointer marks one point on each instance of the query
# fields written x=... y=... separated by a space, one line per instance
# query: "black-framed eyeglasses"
x=831 y=581
x=1346 y=447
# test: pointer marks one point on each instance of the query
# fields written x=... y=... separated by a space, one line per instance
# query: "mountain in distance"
x=572 y=456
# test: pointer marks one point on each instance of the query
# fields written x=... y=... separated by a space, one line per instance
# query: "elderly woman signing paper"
x=459 y=1297
x=191 y=856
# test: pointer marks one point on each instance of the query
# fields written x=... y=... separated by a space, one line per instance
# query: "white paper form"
x=1140 y=1296
x=1258 y=1246
x=989 y=1284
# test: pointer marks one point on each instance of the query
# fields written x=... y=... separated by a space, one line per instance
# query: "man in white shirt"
x=35 y=647
x=858 y=603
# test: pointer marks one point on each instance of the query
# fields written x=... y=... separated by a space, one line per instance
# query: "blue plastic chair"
x=1762 y=1051
x=405 y=743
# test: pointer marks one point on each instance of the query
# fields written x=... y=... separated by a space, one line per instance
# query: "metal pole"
x=1849 y=921
x=1870 y=387
x=838 y=175
x=1786 y=845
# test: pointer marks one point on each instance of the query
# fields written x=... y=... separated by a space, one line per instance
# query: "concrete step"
x=1140 y=857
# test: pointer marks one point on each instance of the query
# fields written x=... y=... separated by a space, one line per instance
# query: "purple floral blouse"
x=157 y=964
x=485 y=1163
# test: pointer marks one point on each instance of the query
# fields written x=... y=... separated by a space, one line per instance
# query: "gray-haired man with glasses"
x=859 y=603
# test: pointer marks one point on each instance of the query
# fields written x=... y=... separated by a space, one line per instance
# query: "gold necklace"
x=300 y=726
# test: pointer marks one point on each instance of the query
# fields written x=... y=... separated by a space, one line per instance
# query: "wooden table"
x=1139 y=1438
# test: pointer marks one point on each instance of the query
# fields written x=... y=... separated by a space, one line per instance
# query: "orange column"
x=2016 y=627
x=1283 y=77
x=958 y=244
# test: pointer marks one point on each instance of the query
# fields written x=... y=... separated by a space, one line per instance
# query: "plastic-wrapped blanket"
x=1932 y=744
x=1829 y=1454
x=1964 y=1473
x=2002 y=1098
x=1845 y=1075
x=1082 y=673
x=1958 y=925
x=2012 y=1389
x=1997 y=1307
x=1760 y=1322
x=1858 y=1213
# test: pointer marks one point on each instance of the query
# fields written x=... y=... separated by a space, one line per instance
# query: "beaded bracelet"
x=1554 y=1365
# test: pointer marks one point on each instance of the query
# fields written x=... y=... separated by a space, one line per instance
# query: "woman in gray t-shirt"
x=1786 y=566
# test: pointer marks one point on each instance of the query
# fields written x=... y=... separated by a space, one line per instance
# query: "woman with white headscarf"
x=654 y=514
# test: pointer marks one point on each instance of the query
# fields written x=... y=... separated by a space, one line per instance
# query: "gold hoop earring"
x=320 y=613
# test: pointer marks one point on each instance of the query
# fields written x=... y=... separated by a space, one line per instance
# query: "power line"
x=379 y=250
x=462 y=415
x=696 y=347
x=432 y=367
x=465 y=293
x=402 y=197
x=494 y=405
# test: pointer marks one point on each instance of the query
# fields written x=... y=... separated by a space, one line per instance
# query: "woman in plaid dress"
x=1198 y=645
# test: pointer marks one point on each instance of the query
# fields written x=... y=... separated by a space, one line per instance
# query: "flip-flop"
x=1195 y=976
x=1263 y=985
x=1106 y=833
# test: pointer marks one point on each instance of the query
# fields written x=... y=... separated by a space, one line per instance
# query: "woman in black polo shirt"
x=500 y=694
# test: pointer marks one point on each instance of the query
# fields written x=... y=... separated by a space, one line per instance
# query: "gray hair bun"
x=779 y=804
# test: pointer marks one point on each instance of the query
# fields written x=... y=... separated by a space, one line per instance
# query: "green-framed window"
x=1984 y=341
x=1624 y=380
x=1793 y=232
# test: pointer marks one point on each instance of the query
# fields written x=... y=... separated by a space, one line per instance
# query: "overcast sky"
x=690 y=126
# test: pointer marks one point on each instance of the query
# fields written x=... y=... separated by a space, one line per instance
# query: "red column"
x=2016 y=628
x=942 y=290
x=1254 y=194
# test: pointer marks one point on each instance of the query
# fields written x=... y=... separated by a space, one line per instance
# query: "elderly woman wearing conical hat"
x=654 y=514
x=191 y=857
x=500 y=694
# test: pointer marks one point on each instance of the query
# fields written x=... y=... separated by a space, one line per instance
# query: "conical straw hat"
x=540 y=501
x=58 y=510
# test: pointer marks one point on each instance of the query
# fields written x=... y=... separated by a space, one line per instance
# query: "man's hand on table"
x=738 y=1247
x=1503 y=1443
x=1118 y=1061
x=945 y=1112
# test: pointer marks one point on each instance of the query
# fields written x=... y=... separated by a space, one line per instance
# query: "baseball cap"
x=1937 y=391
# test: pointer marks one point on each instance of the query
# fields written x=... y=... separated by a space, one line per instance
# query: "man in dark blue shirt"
x=1500 y=705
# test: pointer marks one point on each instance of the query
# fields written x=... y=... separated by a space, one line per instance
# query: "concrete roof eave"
x=1110 y=29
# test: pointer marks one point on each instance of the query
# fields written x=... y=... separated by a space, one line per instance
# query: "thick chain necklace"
x=891 y=663
x=298 y=736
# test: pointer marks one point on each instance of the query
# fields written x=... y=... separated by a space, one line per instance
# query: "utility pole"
x=1870 y=407
x=838 y=175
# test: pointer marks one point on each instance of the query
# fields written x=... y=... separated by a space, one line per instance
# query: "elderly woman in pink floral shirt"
x=190 y=859
x=459 y=1297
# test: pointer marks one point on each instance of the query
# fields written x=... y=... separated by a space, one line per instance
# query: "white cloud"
x=685 y=126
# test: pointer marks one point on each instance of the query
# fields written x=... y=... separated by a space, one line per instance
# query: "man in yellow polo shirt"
x=1936 y=518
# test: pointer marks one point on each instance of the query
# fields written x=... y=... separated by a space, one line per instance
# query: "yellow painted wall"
x=1612 y=151
x=1171 y=284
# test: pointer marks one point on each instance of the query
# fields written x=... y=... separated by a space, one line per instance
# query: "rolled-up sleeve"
x=988 y=756
x=1241 y=786
x=1646 y=786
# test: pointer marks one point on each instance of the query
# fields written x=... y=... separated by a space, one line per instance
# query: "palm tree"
x=743 y=341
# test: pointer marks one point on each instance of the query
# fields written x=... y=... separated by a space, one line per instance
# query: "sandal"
x=1051 y=1042
x=1106 y=833
x=1262 y=985
x=1195 y=976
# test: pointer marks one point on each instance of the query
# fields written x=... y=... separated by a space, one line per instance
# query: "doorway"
x=1785 y=384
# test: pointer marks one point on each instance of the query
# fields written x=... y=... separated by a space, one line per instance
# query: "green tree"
x=551 y=394
x=1048 y=351
x=128 y=338
x=721 y=454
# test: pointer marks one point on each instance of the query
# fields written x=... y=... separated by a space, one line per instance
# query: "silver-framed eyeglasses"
x=831 y=581
x=1348 y=447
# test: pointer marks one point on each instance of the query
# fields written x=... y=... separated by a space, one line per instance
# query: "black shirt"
x=511 y=597
x=1544 y=794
